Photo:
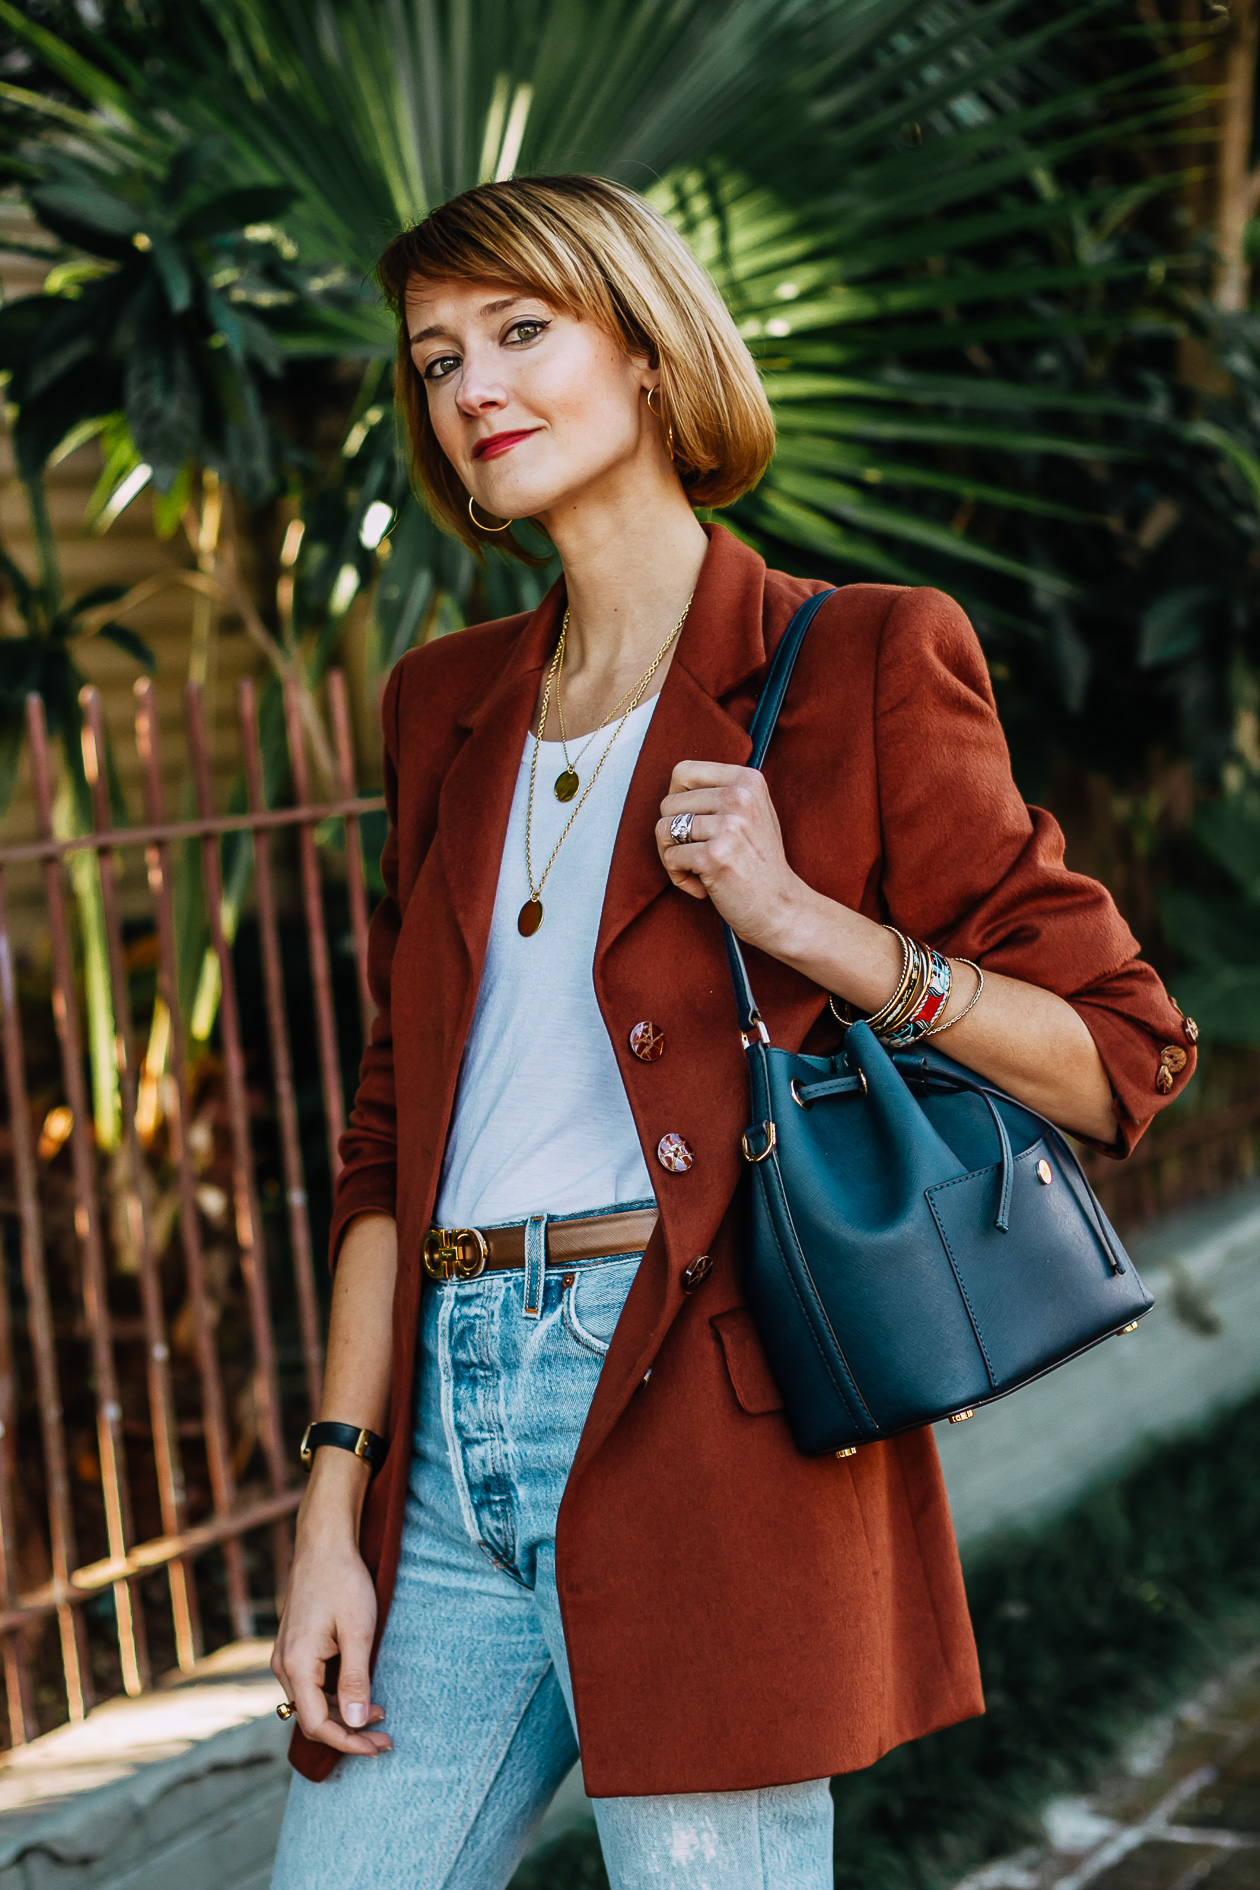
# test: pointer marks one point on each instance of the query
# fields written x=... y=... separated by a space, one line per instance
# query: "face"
x=533 y=407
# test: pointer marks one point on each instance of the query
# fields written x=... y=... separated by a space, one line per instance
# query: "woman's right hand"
x=330 y=1614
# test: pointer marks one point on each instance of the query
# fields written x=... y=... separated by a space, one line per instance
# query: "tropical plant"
x=42 y=662
x=871 y=183
x=928 y=223
x=1218 y=931
x=140 y=321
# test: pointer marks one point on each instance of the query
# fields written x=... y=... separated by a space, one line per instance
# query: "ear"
x=645 y=366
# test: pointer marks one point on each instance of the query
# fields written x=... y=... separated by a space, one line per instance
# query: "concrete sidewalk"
x=1180 y=1811
x=185 y=1786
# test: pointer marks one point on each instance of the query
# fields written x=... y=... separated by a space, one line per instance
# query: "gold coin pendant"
x=567 y=784
x=529 y=918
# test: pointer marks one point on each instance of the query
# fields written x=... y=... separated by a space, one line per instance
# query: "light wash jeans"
x=472 y=1670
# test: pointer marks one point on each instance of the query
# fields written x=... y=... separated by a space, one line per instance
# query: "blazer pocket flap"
x=750 y=1375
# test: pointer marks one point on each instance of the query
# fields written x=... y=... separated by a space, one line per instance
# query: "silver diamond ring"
x=680 y=829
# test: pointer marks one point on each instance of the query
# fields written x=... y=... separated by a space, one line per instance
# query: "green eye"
x=439 y=369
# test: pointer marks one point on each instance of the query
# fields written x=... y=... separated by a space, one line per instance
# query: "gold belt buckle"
x=444 y=1257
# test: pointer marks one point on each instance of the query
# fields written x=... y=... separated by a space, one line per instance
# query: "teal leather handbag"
x=916 y=1242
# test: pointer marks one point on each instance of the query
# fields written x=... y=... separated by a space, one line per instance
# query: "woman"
x=591 y=1525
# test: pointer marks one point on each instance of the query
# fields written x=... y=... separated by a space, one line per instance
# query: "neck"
x=630 y=563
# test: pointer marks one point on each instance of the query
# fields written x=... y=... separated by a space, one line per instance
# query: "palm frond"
x=871 y=184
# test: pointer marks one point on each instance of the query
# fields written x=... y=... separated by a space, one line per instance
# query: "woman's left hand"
x=735 y=855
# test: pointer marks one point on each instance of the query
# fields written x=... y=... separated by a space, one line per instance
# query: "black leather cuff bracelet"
x=365 y=1444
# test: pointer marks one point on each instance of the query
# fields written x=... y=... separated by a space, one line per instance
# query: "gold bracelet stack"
x=918 y=1004
x=878 y=1019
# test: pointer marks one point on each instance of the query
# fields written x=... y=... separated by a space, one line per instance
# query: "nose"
x=480 y=391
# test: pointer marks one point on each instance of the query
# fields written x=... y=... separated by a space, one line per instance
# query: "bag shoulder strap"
x=770 y=702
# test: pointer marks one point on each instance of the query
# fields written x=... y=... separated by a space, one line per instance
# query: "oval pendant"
x=529 y=918
x=566 y=784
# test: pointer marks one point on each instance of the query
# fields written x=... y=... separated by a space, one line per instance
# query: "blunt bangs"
x=598 y=251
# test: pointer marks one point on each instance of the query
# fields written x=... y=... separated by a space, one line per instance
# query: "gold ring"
x=286 y=1709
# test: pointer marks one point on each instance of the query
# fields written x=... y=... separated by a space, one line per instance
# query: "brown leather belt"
x=461 y=1253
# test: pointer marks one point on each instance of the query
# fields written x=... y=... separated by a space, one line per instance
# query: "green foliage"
x=1084 y=1627
x=930 y=223
x=171 y=330
x=42 y=661
x=869 y=183
x=1218 y=931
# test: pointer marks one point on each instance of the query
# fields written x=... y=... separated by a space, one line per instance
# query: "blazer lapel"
x=721 y=646
x=476 y=797
x=705 y=707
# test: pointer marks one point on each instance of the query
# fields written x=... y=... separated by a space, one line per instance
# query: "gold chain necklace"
x=530 y=916
x=567 y=782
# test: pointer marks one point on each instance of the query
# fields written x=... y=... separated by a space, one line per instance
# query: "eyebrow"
x=487 y=308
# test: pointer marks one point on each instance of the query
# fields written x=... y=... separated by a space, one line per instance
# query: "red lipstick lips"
x=497 y=443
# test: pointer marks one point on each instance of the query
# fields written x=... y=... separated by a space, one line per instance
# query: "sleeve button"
x=1172 y=1059
x=1188 y=1024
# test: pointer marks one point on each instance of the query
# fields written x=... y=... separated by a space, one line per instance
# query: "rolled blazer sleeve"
x=972 y=869
x=367 y=1183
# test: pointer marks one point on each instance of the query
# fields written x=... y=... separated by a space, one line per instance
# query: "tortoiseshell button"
x=647 y=1042
x=695 y=1271
x=1173 y=1057
x=1164 y=1079
x=674 y=1153
x=1188 y=1024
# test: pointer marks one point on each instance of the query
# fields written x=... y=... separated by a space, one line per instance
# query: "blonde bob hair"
x=597 y=251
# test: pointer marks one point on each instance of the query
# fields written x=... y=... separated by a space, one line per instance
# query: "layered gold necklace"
x=530 y=916
x=567 y=782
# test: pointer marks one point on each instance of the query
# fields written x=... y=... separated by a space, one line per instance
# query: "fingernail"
x=356 y=1713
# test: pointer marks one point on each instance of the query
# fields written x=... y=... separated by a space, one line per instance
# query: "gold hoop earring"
x=669 y=431
x=486 y=528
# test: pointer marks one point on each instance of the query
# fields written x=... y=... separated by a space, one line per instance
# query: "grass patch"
x=1085 y=1627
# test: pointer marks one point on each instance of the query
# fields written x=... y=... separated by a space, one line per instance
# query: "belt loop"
x=535 y=1264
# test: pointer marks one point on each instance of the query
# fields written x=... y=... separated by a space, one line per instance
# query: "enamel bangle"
x=970 y=1005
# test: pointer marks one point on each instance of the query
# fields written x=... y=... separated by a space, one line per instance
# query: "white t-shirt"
x=541 y=1122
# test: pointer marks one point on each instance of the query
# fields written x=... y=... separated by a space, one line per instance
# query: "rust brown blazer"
x=736 y=1614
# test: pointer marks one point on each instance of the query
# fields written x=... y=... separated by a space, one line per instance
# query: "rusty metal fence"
x=164 y=1338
